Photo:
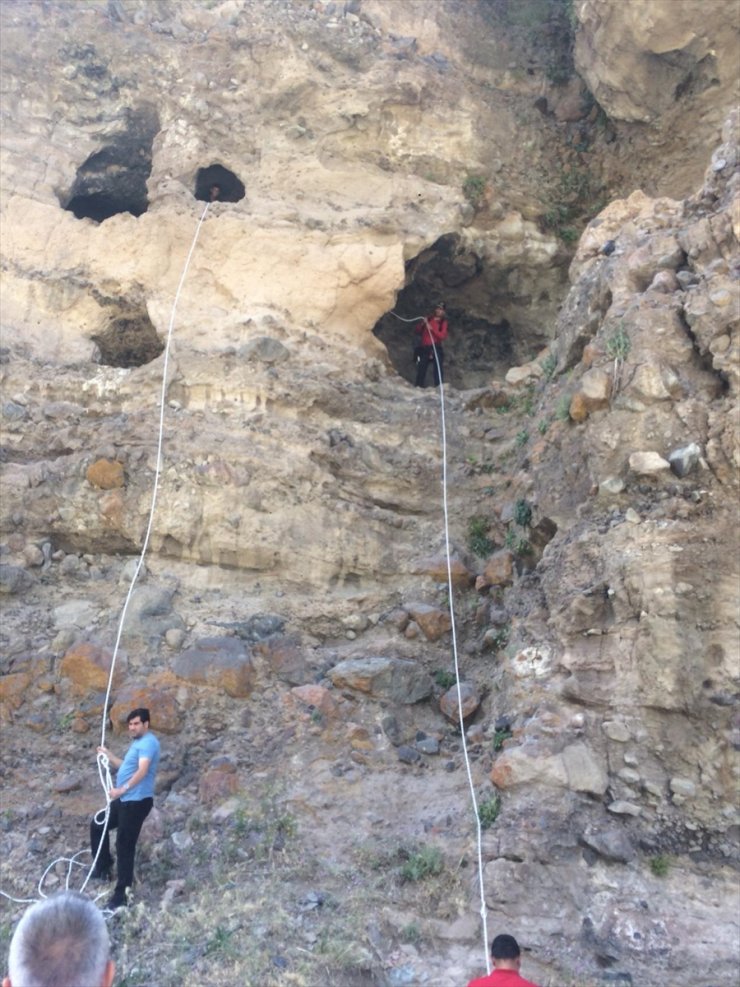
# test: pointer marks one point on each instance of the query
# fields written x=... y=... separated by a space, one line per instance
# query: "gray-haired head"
x=61 y=941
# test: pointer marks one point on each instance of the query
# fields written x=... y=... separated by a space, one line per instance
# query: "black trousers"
x=425 y=356
x=127 y=818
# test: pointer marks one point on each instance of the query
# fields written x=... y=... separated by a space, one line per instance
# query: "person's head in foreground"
x=61 y=941
x=505 y=953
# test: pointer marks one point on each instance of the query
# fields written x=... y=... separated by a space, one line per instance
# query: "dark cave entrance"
x=129 y=341
x=113 y=180
x=231 y=188
x=495 y=315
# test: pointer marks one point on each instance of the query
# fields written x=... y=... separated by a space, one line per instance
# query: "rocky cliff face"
x=291 y=629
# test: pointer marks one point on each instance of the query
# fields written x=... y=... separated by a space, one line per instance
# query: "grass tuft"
x=488 y=811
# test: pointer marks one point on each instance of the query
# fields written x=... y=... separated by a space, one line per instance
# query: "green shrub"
x=527 y=403
x=488 y=811
x=522 y=513
x=558 y=72
x=478 y=541
x=562 y=408
x=522 y=438
x=549 y=365
x=499 y=737
x=220 y=942
x=517 y=541
x=473 y=189
x=577 y=195
x=424 y=862
x=660 y=865
x=445 y=680
x=618 y=344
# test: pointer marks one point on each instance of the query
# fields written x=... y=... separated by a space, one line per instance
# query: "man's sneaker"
x=101 y=872
x=116 y=901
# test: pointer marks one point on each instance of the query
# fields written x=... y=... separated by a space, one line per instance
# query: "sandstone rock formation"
x=296 y=627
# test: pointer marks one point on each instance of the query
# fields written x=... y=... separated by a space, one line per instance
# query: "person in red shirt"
x=432 y=332
x=507 y=958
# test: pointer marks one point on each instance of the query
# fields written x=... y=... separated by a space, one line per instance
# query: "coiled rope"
x=468 y=769
x=101 y=817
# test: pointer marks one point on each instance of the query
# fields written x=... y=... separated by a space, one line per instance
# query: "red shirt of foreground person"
x=506 y=958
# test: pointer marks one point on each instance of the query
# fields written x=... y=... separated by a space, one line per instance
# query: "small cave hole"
x=227 y=185
x=129 y=341
x=500 y=313
x=479 y=345
x=113 y=179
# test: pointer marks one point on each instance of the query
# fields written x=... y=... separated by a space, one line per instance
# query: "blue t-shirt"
x=146 y=746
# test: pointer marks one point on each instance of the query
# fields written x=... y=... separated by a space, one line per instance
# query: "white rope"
x=102 y=759
x=158 y=470
x=71 y=863
x=473 y=798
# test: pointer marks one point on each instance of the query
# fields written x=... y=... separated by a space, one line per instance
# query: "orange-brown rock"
x=577 y=409
x=13 y=688
x=436 y=567
x=87 y=666
x=594 y=391
x=111 y=508
x=432 y=621
x=106 y=474
x=499 y=570
x=317 y=697
x=469 y=700
x=359 y=737
x=591 y=353
x=164 y=710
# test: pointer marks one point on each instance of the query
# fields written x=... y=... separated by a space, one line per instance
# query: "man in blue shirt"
x=131 y=802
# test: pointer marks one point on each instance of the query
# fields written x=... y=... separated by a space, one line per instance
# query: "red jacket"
x=502 y=978
x=432 y=331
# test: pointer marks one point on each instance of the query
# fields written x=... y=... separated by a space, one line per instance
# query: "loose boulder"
x=160 y=700
x=384 y=678
x=223 y=663
x=432 y=621
x=87 y=666
x=105 y=474
x=469 y=700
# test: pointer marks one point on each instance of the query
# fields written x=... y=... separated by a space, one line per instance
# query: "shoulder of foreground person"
x=502 y=978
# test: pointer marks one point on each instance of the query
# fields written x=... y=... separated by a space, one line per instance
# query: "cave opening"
x=499 y=316
x=113 y=179
x=128 y=341
x=231 y=189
